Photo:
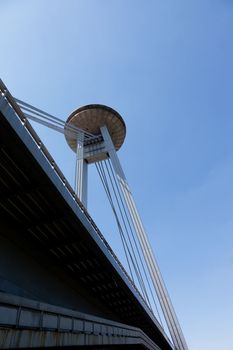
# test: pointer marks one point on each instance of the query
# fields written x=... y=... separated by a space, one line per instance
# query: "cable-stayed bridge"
x=61 y=284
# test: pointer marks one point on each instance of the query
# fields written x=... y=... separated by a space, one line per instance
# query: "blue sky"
x=167 y=68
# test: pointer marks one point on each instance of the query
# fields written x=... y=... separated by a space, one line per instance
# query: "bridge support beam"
x=81 y=171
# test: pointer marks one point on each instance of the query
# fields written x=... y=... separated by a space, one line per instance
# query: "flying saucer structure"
x=90 y=119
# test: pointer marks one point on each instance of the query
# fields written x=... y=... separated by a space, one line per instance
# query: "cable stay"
x=136 y=243
x=50 y=121
x=137 y=269
x=132 y=251
x=130 y=254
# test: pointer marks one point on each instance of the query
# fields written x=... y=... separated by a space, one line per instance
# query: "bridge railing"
x=19 y=113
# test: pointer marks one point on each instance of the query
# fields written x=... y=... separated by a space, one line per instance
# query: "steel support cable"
x=27 y=105
x=128 y=235
x=112 y=206
x=115 y=213
x=154 y=272
x=29 y=108
x=128 y=220
x=123 y=237
x=42 y=115
x=54 y=125
x=120 y=228
x=133 y=261
x=136 y=244
x=36 y=116
x=45 y=123
x=147 y=249
x=118 y=223
x=50 y=122
x=124 y=243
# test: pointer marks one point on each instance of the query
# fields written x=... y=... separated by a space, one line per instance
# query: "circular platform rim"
x=92 y=106
x=99 y=107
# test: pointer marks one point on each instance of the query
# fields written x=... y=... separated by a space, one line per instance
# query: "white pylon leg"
x=81 y=171
x=156 y=277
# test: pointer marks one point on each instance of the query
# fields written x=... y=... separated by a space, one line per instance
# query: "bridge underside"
x=51 y=252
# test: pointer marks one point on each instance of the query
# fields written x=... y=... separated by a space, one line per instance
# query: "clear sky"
x=167 y=67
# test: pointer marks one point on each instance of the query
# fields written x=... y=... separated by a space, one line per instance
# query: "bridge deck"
x=59 y=255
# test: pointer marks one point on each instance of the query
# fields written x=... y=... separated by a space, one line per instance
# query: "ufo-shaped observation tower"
x=95 y=132
x=90 y=119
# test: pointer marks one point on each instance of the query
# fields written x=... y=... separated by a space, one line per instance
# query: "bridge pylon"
x=101 y=132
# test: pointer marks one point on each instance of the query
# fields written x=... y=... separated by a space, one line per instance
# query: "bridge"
x=61 y=284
